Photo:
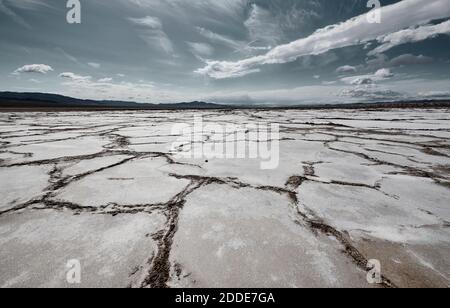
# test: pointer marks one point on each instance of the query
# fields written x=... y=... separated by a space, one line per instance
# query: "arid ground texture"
x=105 y=188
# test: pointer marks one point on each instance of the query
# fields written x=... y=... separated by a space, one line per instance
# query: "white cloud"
x=34 y=68
x=355 y=31
x=74 y=77
x=105 y=80
x=380 y=75
x=148 y=21
x=411 y=36
x=346 y=69
x=225 y=69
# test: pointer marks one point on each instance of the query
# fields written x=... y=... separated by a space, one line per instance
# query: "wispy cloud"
x=151 y=31
x=221 y=39
x=5 y=9
x=201 y=49
x=263 y=28
x=94 y=65
x=74 y=77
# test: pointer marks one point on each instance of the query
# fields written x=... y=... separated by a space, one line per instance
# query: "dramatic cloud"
x=157 y=44
x=34 y=68
x=355 y=31
x=411 y=35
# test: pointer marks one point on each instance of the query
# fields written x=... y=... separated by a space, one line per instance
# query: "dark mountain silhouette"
x=15 y=100
x=45 y=101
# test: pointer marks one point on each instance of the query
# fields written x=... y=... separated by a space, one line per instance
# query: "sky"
x=255 y=52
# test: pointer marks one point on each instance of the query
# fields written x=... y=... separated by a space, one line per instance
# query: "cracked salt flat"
x=52 y=150
x=73 y=169
x=36 y=246
x=253 y=241
x=20 y=184
x=292 y=154
x=137 y=182
x=360 y=209
x=346 y=172
x=352 y=185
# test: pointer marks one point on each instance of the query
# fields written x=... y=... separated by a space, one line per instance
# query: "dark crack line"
x=159 y=273
x=316 y=224
x=409 y=170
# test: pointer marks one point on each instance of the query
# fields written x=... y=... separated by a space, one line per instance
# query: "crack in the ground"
x=159 y=273
x=407 y=169
x=316 y=224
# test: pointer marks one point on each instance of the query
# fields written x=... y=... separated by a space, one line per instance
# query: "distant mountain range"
x=43 y=100
x=31 y=101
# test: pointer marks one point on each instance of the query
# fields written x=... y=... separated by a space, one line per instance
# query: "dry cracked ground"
x=104 y=188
